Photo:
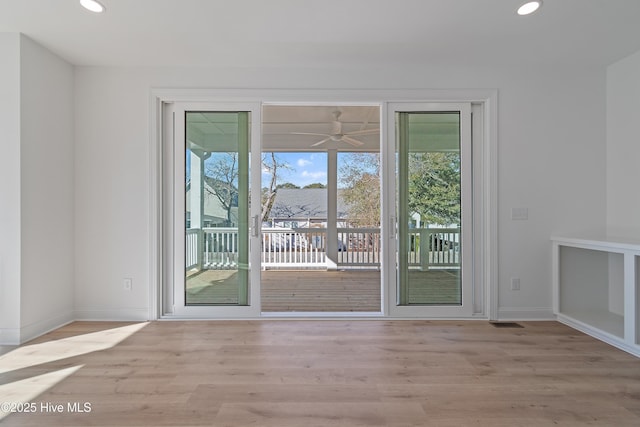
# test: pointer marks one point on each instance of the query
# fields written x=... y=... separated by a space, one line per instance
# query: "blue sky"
x=305 y=168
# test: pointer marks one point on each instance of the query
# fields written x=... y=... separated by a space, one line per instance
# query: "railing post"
x=425 y=239
x=200 y=250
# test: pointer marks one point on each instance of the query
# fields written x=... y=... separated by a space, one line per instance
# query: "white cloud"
x=304 y=162
x=314 y=175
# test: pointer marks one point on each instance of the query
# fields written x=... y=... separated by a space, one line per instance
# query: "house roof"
x=303 y=204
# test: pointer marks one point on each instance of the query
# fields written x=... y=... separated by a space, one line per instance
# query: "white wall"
x=36 y=190
x=46 y=177
x=623 y=147
x=9 y=188
x=551 y=148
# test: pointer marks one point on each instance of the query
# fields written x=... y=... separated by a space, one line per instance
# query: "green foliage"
x=360 y=182
x=434 y=187
x=315 y=185
x=287 y=185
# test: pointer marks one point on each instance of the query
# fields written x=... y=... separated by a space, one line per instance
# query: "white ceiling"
x=329 y=33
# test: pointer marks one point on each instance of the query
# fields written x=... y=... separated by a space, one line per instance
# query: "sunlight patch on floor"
x=50 y=351
x=27 y=390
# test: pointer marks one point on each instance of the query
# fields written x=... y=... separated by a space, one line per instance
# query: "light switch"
x=519 y=214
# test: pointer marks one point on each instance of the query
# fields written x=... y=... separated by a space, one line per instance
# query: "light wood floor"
x=321 y=290
x=322 y=373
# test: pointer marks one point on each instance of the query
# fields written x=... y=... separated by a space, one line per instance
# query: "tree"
x=271 y=164
x=286 y=185
x=222 y=174
x=315 y=185
x=360 y=181
x=222 y=171
x=434 y=187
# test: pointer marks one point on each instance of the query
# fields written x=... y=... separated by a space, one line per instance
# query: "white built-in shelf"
x=596 y=287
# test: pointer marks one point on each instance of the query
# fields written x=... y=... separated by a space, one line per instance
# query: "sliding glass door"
x=213 y=209
x=423 y=244
x=433 y=210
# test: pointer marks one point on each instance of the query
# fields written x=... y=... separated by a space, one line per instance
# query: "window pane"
x=429 y=208
x=217 y=208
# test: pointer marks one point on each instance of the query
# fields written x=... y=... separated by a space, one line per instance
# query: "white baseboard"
x=529 y=313
x=17 y=336
x=41 y=327
x=599 y=334
x=125 y=314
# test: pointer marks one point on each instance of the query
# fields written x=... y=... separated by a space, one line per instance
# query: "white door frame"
x=485 y=206
x=173 y=287
x=467 y=308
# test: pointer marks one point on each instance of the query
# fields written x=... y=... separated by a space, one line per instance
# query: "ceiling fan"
x=337 y=135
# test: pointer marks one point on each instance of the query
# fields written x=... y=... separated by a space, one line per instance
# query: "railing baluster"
x=305 y=247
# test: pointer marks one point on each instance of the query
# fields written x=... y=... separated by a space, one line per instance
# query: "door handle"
x=392 y=227
x=255 y=232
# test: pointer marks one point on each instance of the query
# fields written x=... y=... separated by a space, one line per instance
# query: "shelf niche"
x=592 y=288
x=596 y=288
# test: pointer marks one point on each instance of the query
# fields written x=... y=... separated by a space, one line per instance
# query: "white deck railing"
x=217 y=248
x=434 y=247
x=293 y=247
x=192 y=250
x=359 y=247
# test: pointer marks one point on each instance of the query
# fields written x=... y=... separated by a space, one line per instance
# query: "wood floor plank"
x=322 y=373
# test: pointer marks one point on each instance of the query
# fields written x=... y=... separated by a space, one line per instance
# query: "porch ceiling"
x=282 y=125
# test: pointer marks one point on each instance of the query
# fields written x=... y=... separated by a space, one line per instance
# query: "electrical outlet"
x=515 y=283
x=127 y=284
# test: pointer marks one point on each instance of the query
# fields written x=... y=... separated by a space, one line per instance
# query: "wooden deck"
x=317 y=290
x=321 y=290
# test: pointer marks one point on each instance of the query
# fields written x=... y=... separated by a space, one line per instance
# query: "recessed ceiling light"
x=92 y=5
x=529 y=7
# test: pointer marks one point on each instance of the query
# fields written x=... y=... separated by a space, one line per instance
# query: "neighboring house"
x=215 y=214
x=303 y=207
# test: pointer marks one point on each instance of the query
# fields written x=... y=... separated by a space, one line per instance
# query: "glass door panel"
x=429 y=208
x=215 y=232
x=216 y=208
x=433 y=182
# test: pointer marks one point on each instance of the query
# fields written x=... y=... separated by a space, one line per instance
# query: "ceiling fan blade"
x=363 y=132
x=351 y=141
x=320 y=142
x=309 y=133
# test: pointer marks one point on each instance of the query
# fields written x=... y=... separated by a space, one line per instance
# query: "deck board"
x=322 y=290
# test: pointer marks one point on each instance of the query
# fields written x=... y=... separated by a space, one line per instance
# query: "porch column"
x=332 y=210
